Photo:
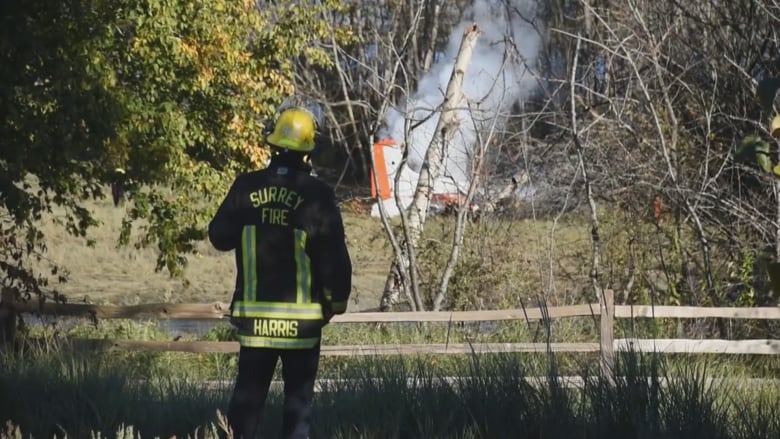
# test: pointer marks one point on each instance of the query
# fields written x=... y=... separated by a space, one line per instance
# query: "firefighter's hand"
x=240 y=324
x=327 y=313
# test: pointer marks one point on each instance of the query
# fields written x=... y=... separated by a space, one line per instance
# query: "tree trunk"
x=431 y=170
x=433 y=19
x=460 y=223
x=606 y=297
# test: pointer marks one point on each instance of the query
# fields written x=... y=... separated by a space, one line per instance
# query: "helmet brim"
x=288 y=144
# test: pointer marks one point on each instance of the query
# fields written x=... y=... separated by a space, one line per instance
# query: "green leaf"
x=747 y=148
x=754 y=148
x=764 y=162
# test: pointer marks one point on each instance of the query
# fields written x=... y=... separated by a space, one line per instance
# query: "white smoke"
x=499 y=75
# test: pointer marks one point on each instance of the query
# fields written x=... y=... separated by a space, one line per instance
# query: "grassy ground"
x=107 y=274
x=87 y=393
x=503 y=264
x=506 y=260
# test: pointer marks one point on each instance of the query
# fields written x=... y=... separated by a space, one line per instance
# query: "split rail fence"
x=605 y=310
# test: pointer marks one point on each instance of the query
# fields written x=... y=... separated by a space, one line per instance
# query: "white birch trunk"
x=431 y=170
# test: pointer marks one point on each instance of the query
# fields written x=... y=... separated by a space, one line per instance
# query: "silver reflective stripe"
x=277 y=343
x=249 y=259
x=279 y=310
x=303 y=268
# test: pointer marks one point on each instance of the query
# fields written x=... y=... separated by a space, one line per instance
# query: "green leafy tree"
x=173 y=92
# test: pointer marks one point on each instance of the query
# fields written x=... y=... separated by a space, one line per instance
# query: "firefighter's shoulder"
x=320 y=188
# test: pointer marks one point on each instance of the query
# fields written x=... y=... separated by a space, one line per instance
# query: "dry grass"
x=504 y=259
x=109 y=274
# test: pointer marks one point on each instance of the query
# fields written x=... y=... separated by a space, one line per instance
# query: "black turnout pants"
x=255 y=371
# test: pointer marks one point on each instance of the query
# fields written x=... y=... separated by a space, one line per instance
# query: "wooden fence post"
x=606 y=333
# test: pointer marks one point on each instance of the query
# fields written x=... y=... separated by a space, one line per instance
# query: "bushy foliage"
x=172 y=92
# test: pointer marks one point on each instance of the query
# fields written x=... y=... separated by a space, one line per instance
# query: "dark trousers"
x=255 y=371
x=118 y=193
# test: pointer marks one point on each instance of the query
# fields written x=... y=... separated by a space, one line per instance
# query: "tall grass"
x=66 y=391
x=59 y=392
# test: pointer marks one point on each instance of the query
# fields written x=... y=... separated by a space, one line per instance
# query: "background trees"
x=649 y=99
x=173 y=92
x=664 y=93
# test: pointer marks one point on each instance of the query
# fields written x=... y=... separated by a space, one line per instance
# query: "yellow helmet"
x=294 y=130
x=775 y=127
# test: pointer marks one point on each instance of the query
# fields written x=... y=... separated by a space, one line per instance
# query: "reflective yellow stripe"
x=277 y=343
x=278 y=310
x=248 y=257
x=303 y=268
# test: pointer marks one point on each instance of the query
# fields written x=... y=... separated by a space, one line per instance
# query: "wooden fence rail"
x=218 y=311
x=606 y=310
x=667 y=346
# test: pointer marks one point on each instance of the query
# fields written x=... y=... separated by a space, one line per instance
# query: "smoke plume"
x=501 y=74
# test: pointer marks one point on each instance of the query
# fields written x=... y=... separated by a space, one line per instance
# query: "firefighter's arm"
x=224 y=229
x=334 y=264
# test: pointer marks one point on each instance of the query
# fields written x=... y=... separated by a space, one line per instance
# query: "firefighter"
x=293 y=273
x=118 y=178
